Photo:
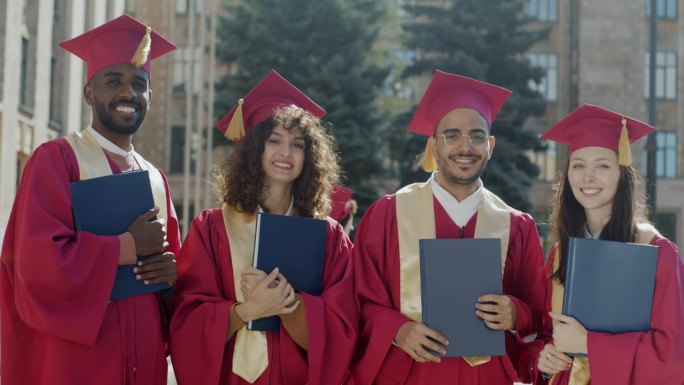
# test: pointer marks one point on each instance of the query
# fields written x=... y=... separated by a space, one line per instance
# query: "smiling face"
x=461 y=163
x=594 y=174
x=120 y=97
x=283 y=156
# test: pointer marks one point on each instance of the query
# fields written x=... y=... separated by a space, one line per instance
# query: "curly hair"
x=568 y=217
x=240 y=181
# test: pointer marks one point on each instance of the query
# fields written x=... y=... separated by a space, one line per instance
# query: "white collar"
x=108 y=145
x=589 y=235
x=459 y=212
x=289 y=209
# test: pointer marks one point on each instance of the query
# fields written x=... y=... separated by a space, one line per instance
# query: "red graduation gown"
x=206 y=293
x=376 y=259
x=58 y=325
x=639 y=358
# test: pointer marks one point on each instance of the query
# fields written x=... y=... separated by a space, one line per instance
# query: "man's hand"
x=158 y=268
x=414 y=337
x=552 y=361
x=149 y=236
x=568 y=334
x=498 y=311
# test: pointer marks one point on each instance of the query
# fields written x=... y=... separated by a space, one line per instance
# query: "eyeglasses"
x=477 y=139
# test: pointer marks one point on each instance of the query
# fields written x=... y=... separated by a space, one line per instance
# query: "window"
x=24 y=72
x=548 y=85
x=180 y=63
x=665 y=75
x=178 y=151
x=546 y=161
x=543 y=10
x=666 y=154
x=667 y=224
x=182 y=6
x=665 y=9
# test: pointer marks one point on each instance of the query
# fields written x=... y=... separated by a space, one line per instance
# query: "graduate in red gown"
x=456 y=113
x=600 y=197
x=58 y=323
x=344 y=207
x=284 y=164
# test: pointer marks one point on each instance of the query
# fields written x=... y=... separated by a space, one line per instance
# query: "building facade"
x=597 y=52
x=41 y=88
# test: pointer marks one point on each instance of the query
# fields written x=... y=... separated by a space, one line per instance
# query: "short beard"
x=463 y=181
x=106 y=119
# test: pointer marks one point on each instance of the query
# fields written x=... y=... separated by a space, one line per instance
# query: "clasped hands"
x=149 y=236
x=424 y=344
x=568 y=336
x=265 y=295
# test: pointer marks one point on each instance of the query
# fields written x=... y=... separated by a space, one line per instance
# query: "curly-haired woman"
x=283 y=163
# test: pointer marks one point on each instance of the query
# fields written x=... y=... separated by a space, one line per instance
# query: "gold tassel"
x=236 y=127
x=143 y=50
x=624 y=149
x=427 y=161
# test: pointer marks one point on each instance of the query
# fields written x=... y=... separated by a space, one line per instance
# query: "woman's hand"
x=552 y=361
x=568 y=334
x=249 y=280
x=272 y=296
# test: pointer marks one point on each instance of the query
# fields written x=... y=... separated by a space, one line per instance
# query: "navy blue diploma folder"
x=453 y=274
x=107 y=205
x=609 y=285
x=296 y=246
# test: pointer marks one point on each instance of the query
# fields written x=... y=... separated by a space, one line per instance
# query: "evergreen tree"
x=485 y=40
x=324 y=47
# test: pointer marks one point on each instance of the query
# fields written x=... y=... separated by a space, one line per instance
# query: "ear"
x=492 y=143
x=88 y=94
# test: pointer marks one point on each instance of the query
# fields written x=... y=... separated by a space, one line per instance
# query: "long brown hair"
x=569 y=217
x=240 y=182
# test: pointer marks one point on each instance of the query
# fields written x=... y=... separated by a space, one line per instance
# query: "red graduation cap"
x=340 y=197
x=123 y=40
x=594 y=126
x=271 y=92
x=447 y=92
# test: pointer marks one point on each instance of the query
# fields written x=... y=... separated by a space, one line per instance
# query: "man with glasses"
x=456 y=114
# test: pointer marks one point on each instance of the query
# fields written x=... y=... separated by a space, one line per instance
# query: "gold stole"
x=579 y=374
x=92 y=163
x=250 y=354
x=416 y=220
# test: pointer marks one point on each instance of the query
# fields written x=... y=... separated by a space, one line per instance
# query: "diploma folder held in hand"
x=453 y=274
x=609 y=285
x=296 y=246
x=108 y=205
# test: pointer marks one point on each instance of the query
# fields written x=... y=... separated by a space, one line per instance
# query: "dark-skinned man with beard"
x=456 y=113
x=59 y=325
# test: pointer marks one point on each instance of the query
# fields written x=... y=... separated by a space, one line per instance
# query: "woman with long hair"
x=600 y=197
x=284 y=163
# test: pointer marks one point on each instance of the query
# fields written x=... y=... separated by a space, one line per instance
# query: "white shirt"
x=589 y=235
x=109 y=146
x=459 y=212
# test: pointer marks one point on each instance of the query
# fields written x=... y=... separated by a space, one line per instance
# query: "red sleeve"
x=657 y=355
x=376 y=267
x=524 y=282
x=63 y=278
x=332 y=317
x=546 y=333
x=200 y=321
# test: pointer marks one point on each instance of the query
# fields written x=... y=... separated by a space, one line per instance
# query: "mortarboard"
x=340 y=197
x=123 y=40
x=447 y=92
x=594 y=126
x=271 y=92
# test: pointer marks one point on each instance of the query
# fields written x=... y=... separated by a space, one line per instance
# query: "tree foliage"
x=485 y=40
x=324 y=47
